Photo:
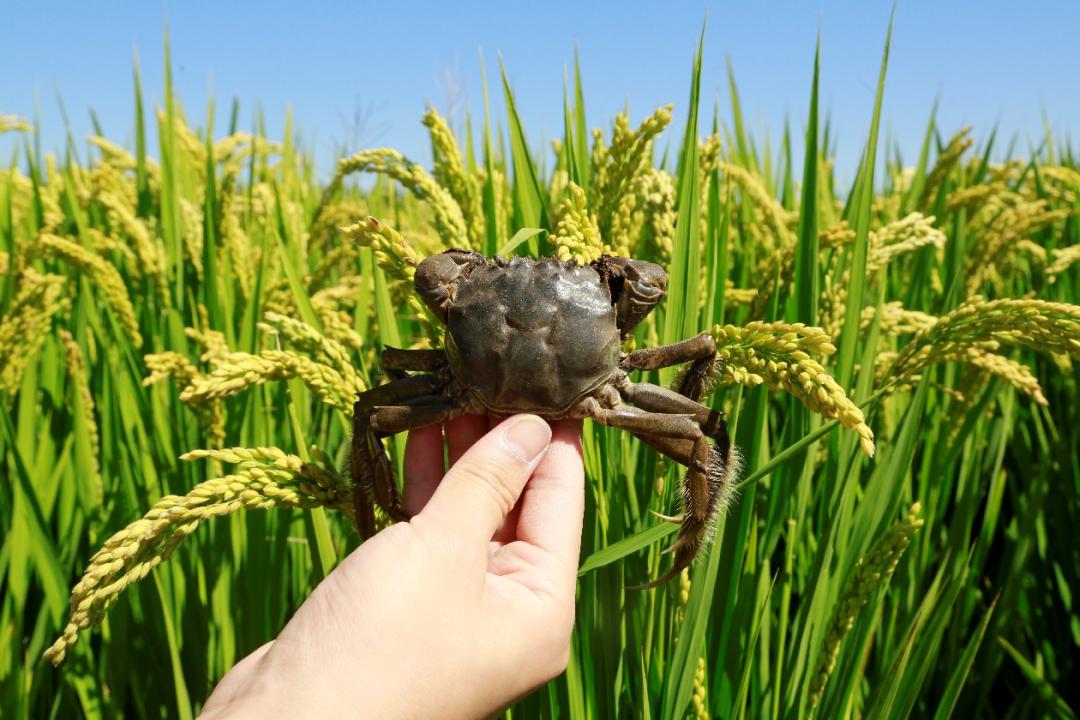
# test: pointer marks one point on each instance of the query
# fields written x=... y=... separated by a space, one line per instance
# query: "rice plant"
x=183 y=329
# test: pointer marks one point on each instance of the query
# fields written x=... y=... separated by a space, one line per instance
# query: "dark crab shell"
x=528 y=335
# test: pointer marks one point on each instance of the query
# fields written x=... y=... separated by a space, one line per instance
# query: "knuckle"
x=491 y=479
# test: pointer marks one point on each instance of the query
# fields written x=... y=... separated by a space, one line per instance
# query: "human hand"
x=454 y=614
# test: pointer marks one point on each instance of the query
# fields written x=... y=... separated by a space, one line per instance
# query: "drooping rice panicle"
x=781 y=356
x=104 y=275
x=27 y=322
x=895 y=319
x=447 y=216
x=14 y=123
x=1064 y=258
x=303 y=337
x=395 y=256
x=77 y=375
x=265 y=478
x=978 y=328
x=398 y=259
x=946 y=161
x=777 y=234
x=450 y=173
x=873 y=570
x=239 y=371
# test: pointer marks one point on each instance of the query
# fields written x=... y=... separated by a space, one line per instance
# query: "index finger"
x=552 y=506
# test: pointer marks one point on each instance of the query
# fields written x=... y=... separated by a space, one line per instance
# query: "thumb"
x=483 y=486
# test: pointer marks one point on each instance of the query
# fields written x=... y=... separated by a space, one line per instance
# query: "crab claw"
x=639 y=287
x=436 y=275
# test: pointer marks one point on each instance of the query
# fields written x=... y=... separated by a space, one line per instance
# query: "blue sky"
x=989 y=62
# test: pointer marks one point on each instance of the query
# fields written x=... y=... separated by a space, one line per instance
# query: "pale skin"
x=454 y=614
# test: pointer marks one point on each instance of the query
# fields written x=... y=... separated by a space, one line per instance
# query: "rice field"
x=184 y=324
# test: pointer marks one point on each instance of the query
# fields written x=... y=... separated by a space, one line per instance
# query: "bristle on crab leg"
x=697 y=531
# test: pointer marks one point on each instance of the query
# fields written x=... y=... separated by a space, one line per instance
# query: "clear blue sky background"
x=989 y=62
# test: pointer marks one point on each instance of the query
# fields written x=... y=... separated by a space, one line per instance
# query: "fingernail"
x=527 y=437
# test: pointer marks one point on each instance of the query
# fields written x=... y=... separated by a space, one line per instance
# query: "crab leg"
x=699 y=350
x=660 y=399
x=680 y=437
x=723 y=459
x=399 y=405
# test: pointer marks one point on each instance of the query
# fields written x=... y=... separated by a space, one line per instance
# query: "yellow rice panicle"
x=872 y=571
x=333 y=260
x=301 y=336
x=782 y=357
x=75 y=363
x=627 y=223
x=973 y=197
x=776 y=217
x=192 y=215
x=104 y=244
x=576 y=236
x=1000 y=225
x=628 y=156
x=398 y=259
x=986 y=325
x=598 y=158
x=657 y=200
x=27 y=323
x=328 y=304
x=338 y=325
x=112 y=154
x=1036 y=254
x=1016 y=374
x=905 y=235
x=447 y=216
x=169 y=364
x=211 y=342
x=14 y=123
x=895 y=319
x=738 y=296
x=839 y=235
x=243 y=257
x=709 y=155
x=450 y=173
x=187 y=141
x=239 y=371
x=395 y=255
x=345 y=293
x=888 y=243
x=266 y=478
x=104 y=275
x=1060 y=183
x=946 y=161
x=1064 y=258
x=342 y=212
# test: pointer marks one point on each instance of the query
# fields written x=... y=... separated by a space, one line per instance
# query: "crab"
x=544 y=336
